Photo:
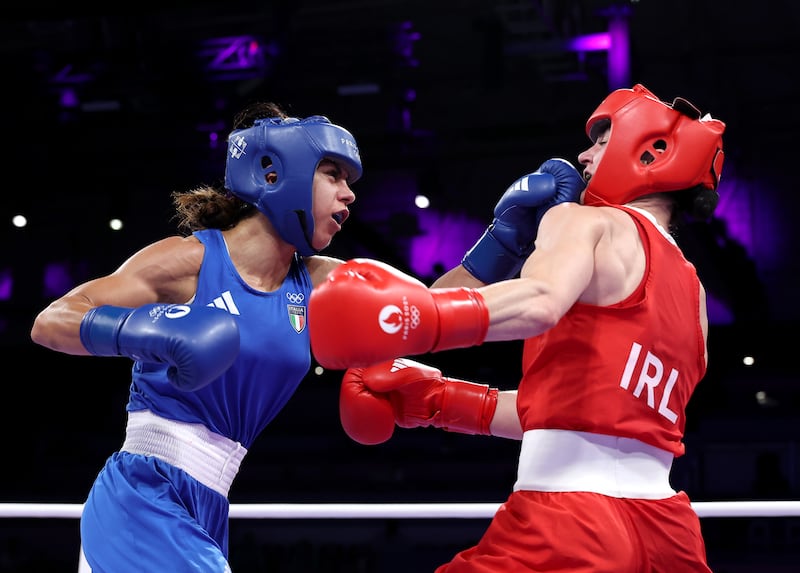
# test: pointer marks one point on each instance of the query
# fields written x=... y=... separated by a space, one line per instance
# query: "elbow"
x=541 y=318
x=57 y=327
x=45 y=330
x=548 y=320
x=38 y=331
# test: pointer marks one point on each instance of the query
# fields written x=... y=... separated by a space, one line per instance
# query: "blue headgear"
x=291 y=148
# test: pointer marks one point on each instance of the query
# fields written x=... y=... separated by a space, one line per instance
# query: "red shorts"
x=587 y=532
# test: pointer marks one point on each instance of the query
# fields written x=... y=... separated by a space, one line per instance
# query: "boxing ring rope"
x=397 y=510
x=389 y=511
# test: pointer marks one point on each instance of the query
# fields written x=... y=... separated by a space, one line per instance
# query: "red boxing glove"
x=410 y=394
x=367 y=312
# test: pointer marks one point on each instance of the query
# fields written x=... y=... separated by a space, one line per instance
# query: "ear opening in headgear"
x=659 y=145
x=270 y=169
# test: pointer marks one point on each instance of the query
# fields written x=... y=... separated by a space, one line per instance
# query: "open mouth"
x=341 y=216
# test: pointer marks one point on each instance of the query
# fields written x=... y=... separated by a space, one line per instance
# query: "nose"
x=347 y=196
x=585 y=158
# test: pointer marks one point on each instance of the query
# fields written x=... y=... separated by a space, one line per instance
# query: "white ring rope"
x=398 y=510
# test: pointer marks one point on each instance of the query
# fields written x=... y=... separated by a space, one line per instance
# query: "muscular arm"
x=165 y=271
x=553 y=278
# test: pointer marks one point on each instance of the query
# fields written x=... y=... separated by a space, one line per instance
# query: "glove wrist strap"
x=100 y=328
x=463 y=318
x=490 y=262
x=468 y=408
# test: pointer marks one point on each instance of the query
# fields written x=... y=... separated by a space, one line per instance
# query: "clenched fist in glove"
x=410 y=394
x=366 y=312
x=507 y=243
x=198 y=342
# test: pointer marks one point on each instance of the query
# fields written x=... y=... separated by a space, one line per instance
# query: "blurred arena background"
x=107 y=110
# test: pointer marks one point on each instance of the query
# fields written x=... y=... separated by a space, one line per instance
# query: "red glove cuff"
x=467 y=408
x=463 y=318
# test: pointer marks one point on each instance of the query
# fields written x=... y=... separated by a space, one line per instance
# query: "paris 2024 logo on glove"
x=392 y=319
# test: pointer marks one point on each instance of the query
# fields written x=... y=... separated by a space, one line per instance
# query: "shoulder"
x=591 y=217
x=174 y=256
x=319 y=266
x=574 y=220
x=575 y=211
x=175 y=245
x=163 y=271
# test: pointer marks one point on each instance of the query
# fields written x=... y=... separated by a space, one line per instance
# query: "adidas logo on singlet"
x=225 y=302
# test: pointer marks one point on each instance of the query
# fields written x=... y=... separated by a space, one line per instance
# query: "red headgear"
x=654 y=147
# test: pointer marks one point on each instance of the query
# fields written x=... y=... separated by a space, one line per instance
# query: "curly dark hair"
x=211 y=206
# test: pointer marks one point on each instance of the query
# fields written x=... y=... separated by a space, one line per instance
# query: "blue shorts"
x=143 y=514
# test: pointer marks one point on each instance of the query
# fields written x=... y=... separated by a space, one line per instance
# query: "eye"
x=332 y=170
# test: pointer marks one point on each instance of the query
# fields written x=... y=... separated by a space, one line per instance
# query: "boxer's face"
x=331 y=196
x=590 y=158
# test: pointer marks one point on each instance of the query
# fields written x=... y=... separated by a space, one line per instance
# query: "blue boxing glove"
x=506 y=244
x=199 y=343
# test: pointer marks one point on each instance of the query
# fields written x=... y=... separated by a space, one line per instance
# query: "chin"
x=320 y=244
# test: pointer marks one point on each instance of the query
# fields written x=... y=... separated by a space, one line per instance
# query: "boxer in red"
x=614 y=322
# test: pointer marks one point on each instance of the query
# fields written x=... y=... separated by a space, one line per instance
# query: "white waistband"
x=563 y=460
x=211 y=459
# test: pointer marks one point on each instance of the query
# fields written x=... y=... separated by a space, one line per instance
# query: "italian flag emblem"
x=297 y=317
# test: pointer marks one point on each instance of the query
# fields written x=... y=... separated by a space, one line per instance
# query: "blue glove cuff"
x=490 y=262
x=100 y=329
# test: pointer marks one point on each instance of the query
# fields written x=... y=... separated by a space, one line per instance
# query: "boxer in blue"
x=215 y=321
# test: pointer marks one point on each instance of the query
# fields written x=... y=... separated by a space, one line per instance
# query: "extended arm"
x=553 y=278
x=389 y=314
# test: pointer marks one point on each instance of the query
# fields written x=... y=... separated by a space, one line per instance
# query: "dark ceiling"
x=493 y=78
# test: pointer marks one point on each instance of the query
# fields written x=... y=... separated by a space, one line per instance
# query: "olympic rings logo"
x=414 y=317
x=295 y=297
